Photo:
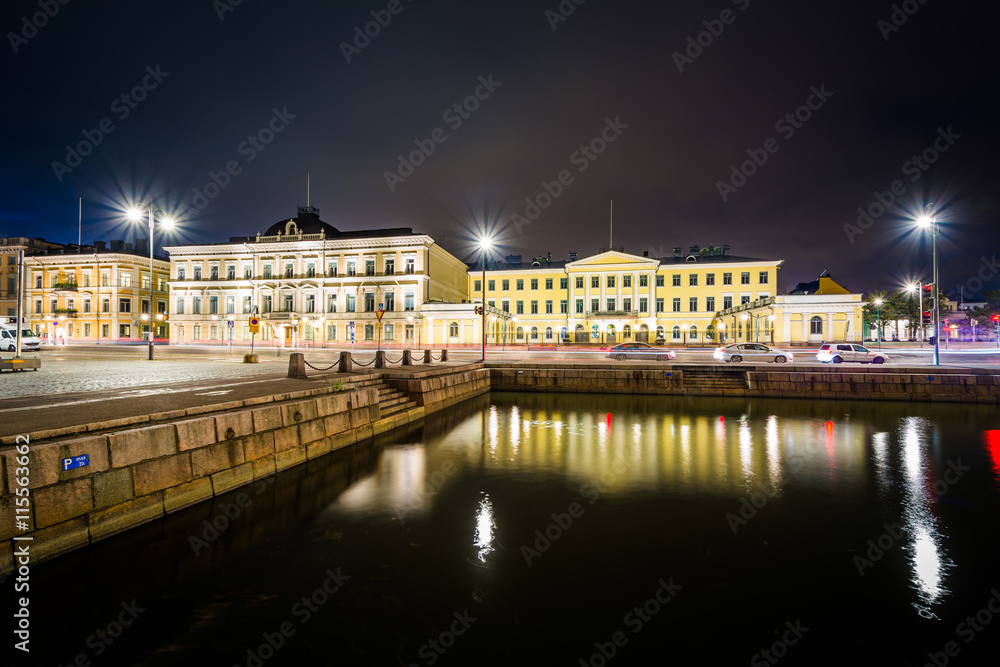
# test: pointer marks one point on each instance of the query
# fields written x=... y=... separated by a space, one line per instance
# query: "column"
x=830 y=335
x=805 y=327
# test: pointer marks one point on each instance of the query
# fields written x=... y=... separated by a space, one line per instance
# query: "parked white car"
x=738 y=352
x=8 y=339
x=841 y=352
x=639 y=351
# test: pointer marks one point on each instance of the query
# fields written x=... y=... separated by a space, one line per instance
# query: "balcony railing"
x=65 y=312
x=613 y=313
x=749 y=305
x=65 y=287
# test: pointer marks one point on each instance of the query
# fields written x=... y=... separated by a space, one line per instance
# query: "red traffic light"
x=996 y=318
x=927 y=288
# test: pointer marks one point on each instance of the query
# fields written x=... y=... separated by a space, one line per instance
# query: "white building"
x=311 y=283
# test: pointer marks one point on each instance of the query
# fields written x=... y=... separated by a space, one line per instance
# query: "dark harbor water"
x=567 y=530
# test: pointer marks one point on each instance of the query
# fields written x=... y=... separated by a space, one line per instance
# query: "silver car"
x=639 y=351
x=738 y=352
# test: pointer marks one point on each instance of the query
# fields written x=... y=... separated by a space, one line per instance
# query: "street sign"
x=76 y=462
x=379 y=312
x=230 y=323
x=254 y=325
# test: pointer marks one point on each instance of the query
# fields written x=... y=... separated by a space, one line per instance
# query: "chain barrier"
x=433 y=358
x=358 y=363
x=390 y=361
x=315 y=368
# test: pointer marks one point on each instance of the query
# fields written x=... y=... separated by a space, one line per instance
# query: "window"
x=213 y=305
x=267 y=270
x=38 y=282
x=408 y=301
x=310 y=303
x=289 y=270
x=38 y=305
x=579 y=306
x=643 y=305
x=693 y=333
x=477 y=286
x=676 y=332
x=351 y=303
x=161 y=307
x=247 y=272
x=693 y=304
x=352 y=268
x=548 y=283
x=310 y=270
x=491 y=303
x=505 y=306
x=247 y=305
x=230 y=305
x=369 y=267
x=124 y=279
x=709 y=332
x=611 y=281
x=548 y=307
x=369 y=332
x=643 y=281
x=677 y=305
x=595 y=282
x=709 y=278
x=266 y=306
x=519 y=308
x=505 y=285
x=563 y=283
x=579 y=282
x=390 y=269
x=333 y=274
x=727 y=279
x=745 y=298
x=105 y=305
x=534 y=333
x=692 y=280
x=389 y=301
x=626 y=304
x=331 y=332
x=331 y=303
x=125 y=330
x=520 y=284
x=491 y=285
x=595 y=305
x=388 y=332
x=289 y=303
x=659 y=281
x=410 y=262
x=369 y=302
x=816 y=326
x=534 y=283
x=762 y=277
x=180 y=273
x=611 y=305
x=564 y=306
x=453 y=330
x=626 y=281
x=197 y=332
x=124 y=305
x=520 y=333
x=534 y=307
x=231 y=272
x=215 y=272
x=676 y=280
x=710 y=303
x=727 y=302
x=86 y=305
x=745 y=278
x=548 y=333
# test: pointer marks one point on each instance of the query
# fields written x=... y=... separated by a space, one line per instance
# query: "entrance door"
x=288 y=336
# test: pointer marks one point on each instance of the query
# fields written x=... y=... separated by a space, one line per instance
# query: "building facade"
x=309 y=283
x=8 y=271
x=615 y=297
x=97 y=293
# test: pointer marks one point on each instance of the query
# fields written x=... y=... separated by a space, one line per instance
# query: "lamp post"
x=878 y=321
x=770 y=321
x=135 y=215
x=484 y=245
x=928 y=222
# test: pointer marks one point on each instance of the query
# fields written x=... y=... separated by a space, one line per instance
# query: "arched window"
x=676 y=332
x=659 y=333
x=520 y=333
x=626 y=331
x=564 y=332
x=595 y=332
x=453 y=329
x=548 y=333
x=534 y=333
x=693 y=333
x=710 y=332
x=816 y=325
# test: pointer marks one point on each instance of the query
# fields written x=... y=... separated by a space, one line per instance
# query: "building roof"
x=308 y=222
x=547 y=265
x=822 y=285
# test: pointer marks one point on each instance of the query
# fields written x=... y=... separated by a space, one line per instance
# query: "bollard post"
x=444 y=355
x=296 y=365
x=346 y=365
x=427 y=356
x=407 y=358
x=151 y=349
x=380 y=359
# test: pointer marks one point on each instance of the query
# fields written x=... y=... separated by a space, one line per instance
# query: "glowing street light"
x=135 y=215
x=485 y=243
x=927 y=222
x=878 y=321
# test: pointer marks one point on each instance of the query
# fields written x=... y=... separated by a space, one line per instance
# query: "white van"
x=8 y=339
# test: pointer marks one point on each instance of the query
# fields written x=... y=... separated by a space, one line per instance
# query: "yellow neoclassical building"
x=689 y=298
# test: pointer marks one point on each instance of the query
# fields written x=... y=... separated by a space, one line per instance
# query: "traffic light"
x=928 y=287
x=479 y=310
x=927 y=317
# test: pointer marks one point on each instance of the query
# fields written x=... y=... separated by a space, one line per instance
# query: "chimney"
x=645 y=253
x=677 y=252
x=694 y=250
x=117 y=245
x=141 y=246
x=725 y=250
x=100 y=246
x=572 y=255
x=548 y=257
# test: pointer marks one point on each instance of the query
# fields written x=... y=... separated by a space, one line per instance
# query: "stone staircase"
x=390 y=400
x=710 y=378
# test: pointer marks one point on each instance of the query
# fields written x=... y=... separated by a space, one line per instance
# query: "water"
x=540 y=530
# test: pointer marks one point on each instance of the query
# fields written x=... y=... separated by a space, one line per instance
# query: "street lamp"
x=770 y=321
x=135 y=214
x=878 y=321
x=484 y=244
x=928 y=222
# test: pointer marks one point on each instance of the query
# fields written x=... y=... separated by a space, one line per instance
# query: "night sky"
x=676 y=117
